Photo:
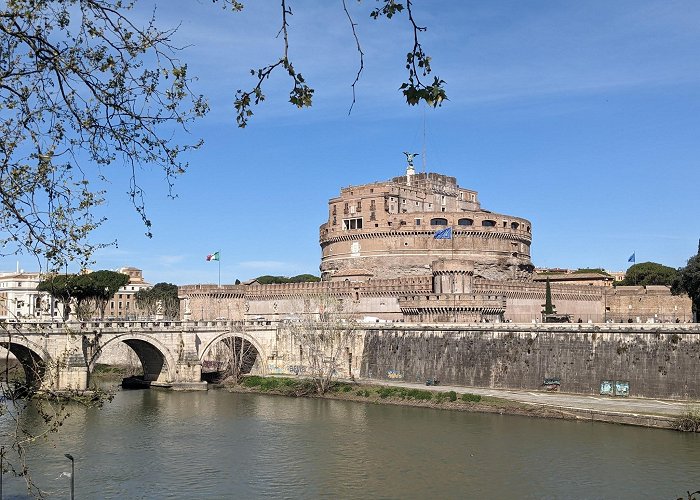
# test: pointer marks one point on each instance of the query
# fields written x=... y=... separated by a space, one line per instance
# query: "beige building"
x=123 y=304
x=387 y=230
x=569 y=277
x=21 y=301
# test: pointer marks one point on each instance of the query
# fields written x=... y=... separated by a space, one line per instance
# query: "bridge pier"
x=188 y=368
x=70 y=371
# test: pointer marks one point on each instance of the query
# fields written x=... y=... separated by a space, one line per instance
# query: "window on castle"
x=352 y=223
x=465 y=222
x=438 y=221
x=514 y=225
x=417 y=222
x=488 y=223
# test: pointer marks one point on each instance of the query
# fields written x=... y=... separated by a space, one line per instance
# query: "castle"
x=419 y=248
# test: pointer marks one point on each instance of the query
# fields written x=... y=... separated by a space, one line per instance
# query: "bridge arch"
x=157 y=360
x=33 y=358
x=260 y=352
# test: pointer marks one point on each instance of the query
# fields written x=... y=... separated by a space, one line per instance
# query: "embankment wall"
x=658 y=361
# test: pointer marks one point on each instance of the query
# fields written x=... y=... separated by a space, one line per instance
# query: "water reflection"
x=158 y=444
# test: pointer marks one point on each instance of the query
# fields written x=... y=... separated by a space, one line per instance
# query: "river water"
x=215 y=444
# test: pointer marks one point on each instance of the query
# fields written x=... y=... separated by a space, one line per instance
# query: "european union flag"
x=631 y=259
x=443 y=234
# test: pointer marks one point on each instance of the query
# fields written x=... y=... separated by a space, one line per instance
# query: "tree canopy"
x=161 y=298
x=649 y=273
x=688 y=281
x=87 y=87
x=300 y=278
x=98 y=287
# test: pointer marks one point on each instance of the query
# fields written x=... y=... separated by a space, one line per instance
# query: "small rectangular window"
x=417 y=222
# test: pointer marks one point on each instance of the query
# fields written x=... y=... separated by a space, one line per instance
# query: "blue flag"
x=631 y=259
x=443 y=234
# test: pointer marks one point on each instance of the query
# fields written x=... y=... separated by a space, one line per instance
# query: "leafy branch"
x=417 y=61
x=300 y=95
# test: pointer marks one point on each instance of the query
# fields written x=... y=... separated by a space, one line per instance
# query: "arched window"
x=438 y=221
x=488 y=223
x=465 y=222
x=514 y=225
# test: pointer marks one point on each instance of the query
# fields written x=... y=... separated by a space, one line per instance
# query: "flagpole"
x=219 y=252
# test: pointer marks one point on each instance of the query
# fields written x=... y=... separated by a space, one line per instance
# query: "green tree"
x=548 y=306
x=86 y=87
x=300 y=278
x=102 y=285
x=89 y=291
x=162 y=297
x=649 y=273
x=688 y=281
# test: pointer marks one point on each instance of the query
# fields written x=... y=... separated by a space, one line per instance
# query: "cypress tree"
x=548 y=307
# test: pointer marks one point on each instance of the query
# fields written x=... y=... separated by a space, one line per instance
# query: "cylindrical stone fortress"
x=387 y=230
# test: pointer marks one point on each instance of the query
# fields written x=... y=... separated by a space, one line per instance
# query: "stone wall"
x=658 y=362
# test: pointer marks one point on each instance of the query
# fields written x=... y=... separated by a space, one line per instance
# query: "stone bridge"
x=62 y=356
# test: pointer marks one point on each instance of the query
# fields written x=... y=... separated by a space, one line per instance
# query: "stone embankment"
x=640 y=412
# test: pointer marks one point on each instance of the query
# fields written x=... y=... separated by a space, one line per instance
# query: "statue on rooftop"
x=410 y=157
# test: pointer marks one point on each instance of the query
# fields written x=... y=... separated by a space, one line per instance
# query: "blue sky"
x=583 y=117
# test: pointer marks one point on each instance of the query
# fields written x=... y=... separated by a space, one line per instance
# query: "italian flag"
x=213 y=256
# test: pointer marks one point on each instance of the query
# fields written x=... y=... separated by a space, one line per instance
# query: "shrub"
x=471 y=398
x=452 y=395
x=688 y=421
x=419 y=394
x=385 y=392
x=363 y=393
x=341 y=387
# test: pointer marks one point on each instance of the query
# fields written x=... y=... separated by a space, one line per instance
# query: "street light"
x=72 y=475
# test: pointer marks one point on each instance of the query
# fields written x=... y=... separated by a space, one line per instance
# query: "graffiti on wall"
x=615 y=388
x=393 y=374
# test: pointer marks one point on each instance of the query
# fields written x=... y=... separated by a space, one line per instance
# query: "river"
x=159 y=444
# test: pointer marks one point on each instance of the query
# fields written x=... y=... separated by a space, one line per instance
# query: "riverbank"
x=379 y=393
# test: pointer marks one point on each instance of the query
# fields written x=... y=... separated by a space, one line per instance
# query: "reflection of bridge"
x=61 y=356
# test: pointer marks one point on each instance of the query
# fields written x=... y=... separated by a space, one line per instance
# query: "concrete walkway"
x=635 y=406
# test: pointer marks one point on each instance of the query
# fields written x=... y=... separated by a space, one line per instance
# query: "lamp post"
x=72 y=475
x=2 y=466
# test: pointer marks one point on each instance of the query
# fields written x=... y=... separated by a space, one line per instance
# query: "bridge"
x=61 y=356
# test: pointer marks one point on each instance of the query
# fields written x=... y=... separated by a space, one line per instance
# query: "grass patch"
x=363 y=393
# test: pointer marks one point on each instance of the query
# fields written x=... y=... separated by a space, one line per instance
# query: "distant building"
x=123 y=304
x=578 y=277
x=20 y=300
